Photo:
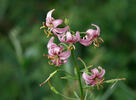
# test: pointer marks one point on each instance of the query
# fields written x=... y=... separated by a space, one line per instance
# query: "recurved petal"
x=57 y=22
x=101 y=74
x=69 y=36
x=91 y=33
x=61 y=30
x=85 y=42
x=50 y=43
x=49 y=15
x=87 y=78
x=95 y=72
x=65 y=61
x=77 y=36
x=65 y=55
x=57 y=50
x=61 y=37
x=98 y=29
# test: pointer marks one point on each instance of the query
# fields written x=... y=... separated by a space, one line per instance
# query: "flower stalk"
x=78 y=75
x=58 y=54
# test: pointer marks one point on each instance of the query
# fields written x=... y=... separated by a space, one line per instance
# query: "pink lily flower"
x=56 y=53
x=95 y=78
x=69 y=38
x=91 y=36
x=52 y=23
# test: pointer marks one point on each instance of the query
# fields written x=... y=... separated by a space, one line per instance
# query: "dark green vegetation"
x=22 y=44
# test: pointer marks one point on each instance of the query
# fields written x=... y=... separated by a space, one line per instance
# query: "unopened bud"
x=66 y=21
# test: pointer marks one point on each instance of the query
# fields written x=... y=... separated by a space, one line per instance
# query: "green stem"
x=78 y=74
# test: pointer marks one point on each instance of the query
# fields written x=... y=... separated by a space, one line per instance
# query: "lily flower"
x=96 y=77
x=69 y=38
x=91 y=37
x=56 y=53
x=52 y=23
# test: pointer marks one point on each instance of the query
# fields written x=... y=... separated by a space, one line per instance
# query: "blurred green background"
x=22 y=44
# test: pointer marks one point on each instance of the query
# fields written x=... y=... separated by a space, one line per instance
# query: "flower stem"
x=78 y=74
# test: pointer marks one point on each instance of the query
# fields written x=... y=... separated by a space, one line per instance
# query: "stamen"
x=43 y=25
x=101 y=39
x=97 y=86
x=51 y=58
x=49 y=34
x=45 y=55
x=50 y=63
x=101 y=86
x=96 y=45
x=45 y=32
x=99 y=82
x=71 y=46
x=96 y=41
x=57 y=62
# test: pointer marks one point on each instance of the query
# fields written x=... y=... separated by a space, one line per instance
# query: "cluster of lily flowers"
x=59 y=54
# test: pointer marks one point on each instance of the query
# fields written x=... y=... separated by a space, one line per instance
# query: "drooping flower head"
x=53 y=24
x=56 y=53
x=69 y=38
x=96 y=77
x=91 y=37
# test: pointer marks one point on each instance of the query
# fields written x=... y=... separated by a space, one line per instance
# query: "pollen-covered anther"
x=52 y=58
x=45 y=32
x=45 y=55
x=99 y=82
x=96 y=43
x=50 y=63
x=57 y=62
x=49 y=34
x=43 y=25
x=101 y=40
x=71 y=47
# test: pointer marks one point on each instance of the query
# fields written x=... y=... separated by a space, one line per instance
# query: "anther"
x=45 y=55
x=50 y=63
x=101 y=39
x=96 y=45
x=49 y=33
x=51 y=58
x=45 y=32
x=43 y=25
